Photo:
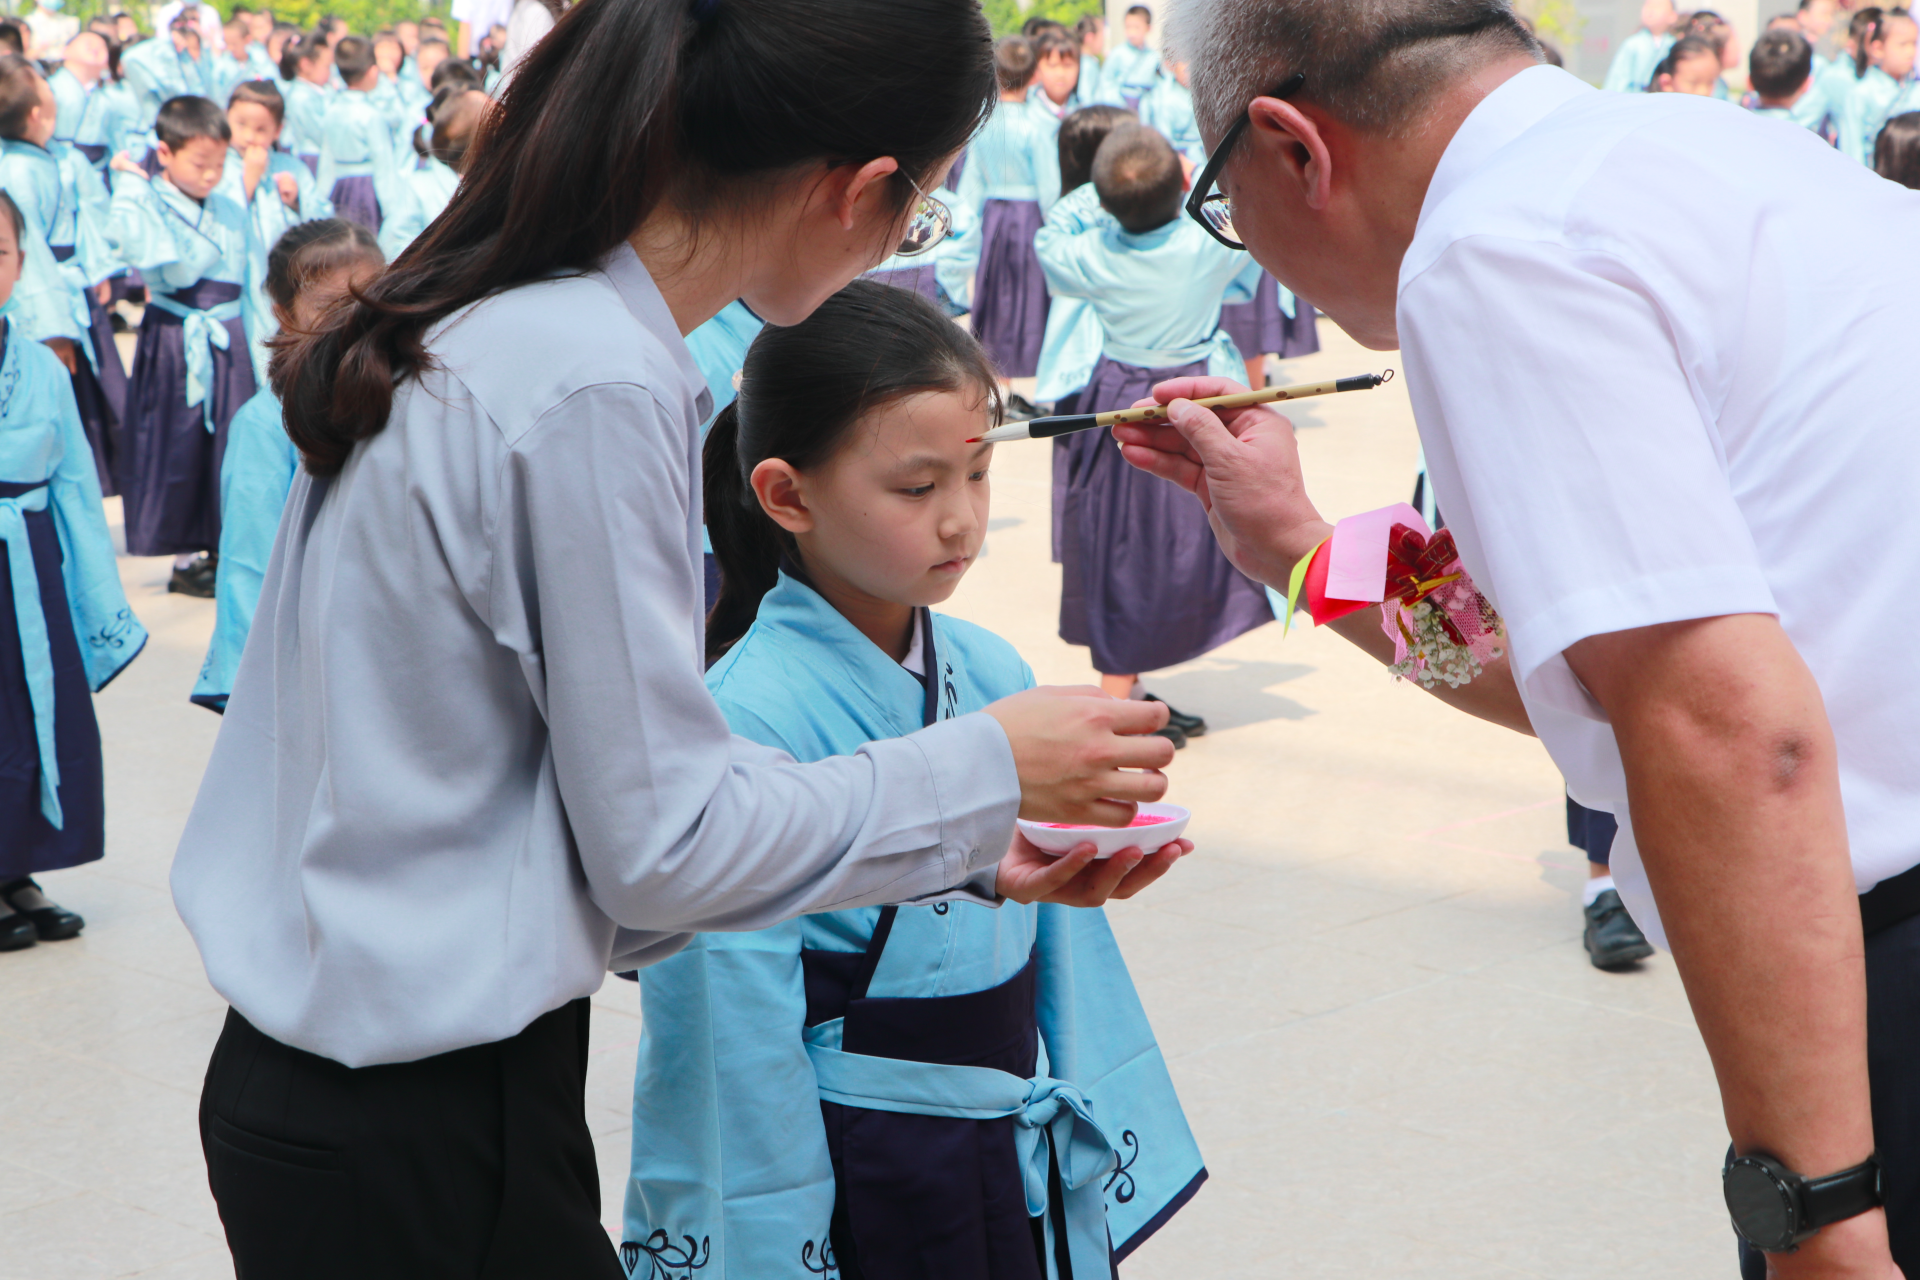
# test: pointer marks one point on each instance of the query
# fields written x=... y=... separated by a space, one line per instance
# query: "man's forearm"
x=1733 y=787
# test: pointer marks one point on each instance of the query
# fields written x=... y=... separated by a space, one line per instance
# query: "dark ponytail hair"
x=1081 y=134
x=308 y=250
x=801 y=391
x=1862 y=29
x=624 y=102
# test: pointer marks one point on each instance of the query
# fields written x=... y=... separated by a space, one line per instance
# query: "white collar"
x=1501 y=116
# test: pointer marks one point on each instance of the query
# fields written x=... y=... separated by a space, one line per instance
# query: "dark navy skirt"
x=928 y=1197
x=1143 y=583
x=1260 y=327
x=354 y=199
x=101 y=395
x=920 y=280
x=1010 y=298
x=172 y=477
x=29 y=844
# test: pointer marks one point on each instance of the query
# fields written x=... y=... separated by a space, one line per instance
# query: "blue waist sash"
x=203 y=308
x=36 y=648
x=1050 y=1116
x=1222 y=357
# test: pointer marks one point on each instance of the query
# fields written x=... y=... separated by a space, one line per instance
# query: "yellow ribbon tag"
x=1296 y=581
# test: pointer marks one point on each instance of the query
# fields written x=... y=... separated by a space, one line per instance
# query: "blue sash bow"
x=204 y=330
x=1049 y=1116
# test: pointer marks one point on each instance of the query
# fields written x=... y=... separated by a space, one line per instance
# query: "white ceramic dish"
x=1111 y=840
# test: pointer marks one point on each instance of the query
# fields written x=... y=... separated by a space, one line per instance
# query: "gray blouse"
x=470 y=762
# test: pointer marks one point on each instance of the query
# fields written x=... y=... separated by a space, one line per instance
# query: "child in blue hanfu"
x=311 y=267
x=941 y=1091
x=1143 y=582
x=193 y=369
x=65 y=627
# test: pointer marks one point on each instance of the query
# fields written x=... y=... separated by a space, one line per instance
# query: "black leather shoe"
x=1191 y=726
x=1613 y=940
x=16 y=932
x=1173 y=735
x=197 y=579
x=50 y=921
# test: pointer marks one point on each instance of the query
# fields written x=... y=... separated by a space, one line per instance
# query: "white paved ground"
x=1368 y=980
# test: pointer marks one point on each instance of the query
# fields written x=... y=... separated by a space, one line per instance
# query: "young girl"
x=935 y=1092
x=1883 y=89
x=311 y=267
x=65 y=628
x=306 y=73
x=193 y=368
x=1011 y=178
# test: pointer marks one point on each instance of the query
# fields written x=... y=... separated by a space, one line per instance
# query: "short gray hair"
x=1371 y=63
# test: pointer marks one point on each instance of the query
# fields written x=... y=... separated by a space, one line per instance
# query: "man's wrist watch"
x=1774 y=1208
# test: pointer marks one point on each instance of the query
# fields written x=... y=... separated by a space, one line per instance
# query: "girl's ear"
x=781 y=494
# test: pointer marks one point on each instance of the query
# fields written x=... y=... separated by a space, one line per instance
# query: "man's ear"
x=782 y=495
x=1293 y=141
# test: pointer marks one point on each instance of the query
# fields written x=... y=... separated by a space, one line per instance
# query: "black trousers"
x=470 y=1165
x=1893 y=1066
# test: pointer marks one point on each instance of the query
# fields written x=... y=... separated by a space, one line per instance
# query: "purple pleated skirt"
x=1010 y=298
x=920 y=280
x=172 y=477
x=1143 y=583
x=1260 y=327
x=29 y=844
x=101 y=395
x=354 y=199
x=953 y=174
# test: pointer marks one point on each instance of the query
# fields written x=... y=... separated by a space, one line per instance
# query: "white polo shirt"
x=1660 y=353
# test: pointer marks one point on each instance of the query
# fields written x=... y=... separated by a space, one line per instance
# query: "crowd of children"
x=228 y=191
x=1862 y=95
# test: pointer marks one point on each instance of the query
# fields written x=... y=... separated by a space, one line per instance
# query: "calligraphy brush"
x=1044 y=428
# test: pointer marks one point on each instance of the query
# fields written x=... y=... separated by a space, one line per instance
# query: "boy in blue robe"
x=65 y=626
x=357 y=171
x=1143 y=583
x=1631 y=70
x=276 y=190
x=92 y=118
x=1131 y=68
x=193 y=369
x=65 y=207
x=937 y=1090
x=169 y=67
x=310 y=268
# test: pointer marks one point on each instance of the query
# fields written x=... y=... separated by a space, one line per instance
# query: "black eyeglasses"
x=1214 y=209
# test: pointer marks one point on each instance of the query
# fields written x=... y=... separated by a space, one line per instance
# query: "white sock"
x=185 y=560
x=1595 y=887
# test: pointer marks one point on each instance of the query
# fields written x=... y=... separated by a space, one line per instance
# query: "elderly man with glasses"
x=1656 y=419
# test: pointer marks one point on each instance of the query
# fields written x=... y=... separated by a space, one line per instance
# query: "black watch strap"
x=1835 y=1197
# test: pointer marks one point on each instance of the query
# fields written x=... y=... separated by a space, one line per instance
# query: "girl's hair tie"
x=703 y=10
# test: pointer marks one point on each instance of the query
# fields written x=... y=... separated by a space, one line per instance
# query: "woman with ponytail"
x=469 y=763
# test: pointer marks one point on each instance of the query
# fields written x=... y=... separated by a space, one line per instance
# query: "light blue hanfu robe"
x=1168 y=107
x=355 y=143
x=1074 y=337
x=255 y=476
x=1631 y=70
x=158 y=70
x=46 y=466
x=1875 y=98
x=1130 y=71
x=1044 y=106
x=304 y=130
x=731 y=1160
x=260 y=65
x=396 y=110
x=431 y=184
x=65 y=207
x=92 y=118
x=1015 y=156
x=224 y=72
x=177 y=242
x=124 y=109
x=1086 y=254
x=271 y=218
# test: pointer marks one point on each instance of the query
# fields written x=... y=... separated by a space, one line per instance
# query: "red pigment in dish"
x=1144 y=820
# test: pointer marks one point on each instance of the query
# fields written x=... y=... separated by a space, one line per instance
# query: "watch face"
x=1762 y=1207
